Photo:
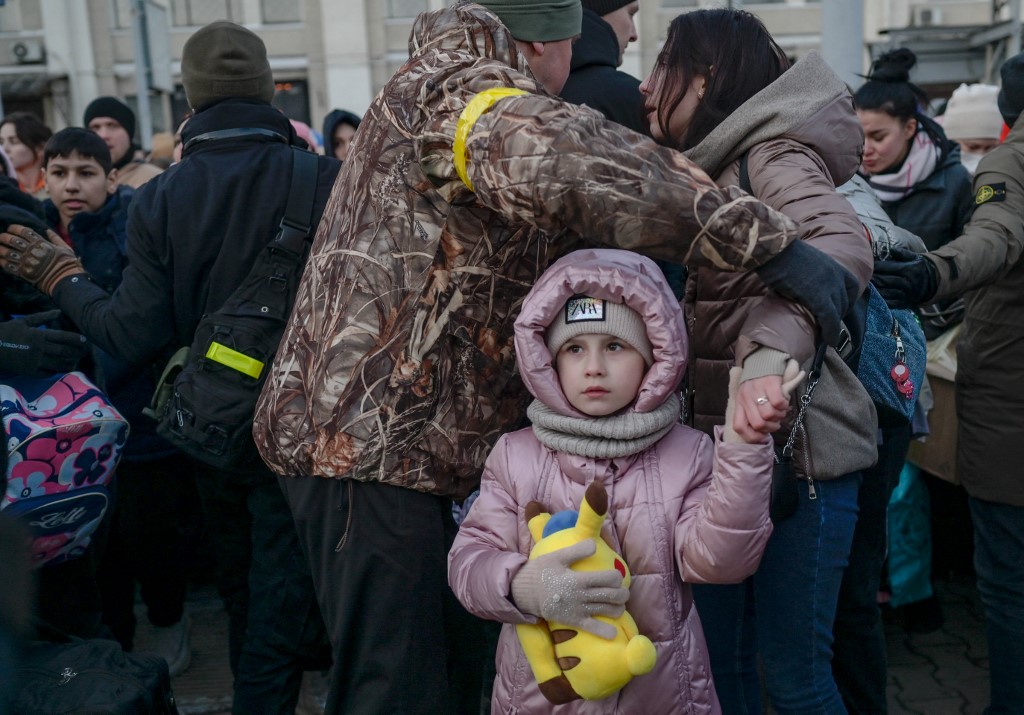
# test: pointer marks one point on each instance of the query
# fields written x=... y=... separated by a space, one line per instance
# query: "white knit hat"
x=585 y=315
x=973 y=113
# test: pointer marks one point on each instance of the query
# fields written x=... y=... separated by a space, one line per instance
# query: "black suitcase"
x=90 y=677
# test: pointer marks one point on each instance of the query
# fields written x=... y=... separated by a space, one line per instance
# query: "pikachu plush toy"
x=568 y=663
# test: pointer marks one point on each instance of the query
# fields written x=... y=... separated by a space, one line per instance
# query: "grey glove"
x=547 y=587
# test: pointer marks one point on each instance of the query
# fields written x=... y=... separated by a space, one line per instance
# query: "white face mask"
x=970 y=160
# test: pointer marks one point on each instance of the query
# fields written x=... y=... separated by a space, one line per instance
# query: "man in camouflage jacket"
x=397 y=373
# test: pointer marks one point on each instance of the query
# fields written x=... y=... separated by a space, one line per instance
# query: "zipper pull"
x=812 y=493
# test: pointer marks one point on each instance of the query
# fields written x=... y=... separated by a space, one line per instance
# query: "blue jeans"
x=999 y=563
x=794 y=594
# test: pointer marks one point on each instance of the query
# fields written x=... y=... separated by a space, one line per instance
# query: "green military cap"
x=538 y=20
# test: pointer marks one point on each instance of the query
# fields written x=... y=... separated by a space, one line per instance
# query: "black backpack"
x=89 y=677
x=207 y=395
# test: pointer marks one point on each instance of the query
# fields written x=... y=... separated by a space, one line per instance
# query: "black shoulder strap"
x=236 y=133
x=298 y=213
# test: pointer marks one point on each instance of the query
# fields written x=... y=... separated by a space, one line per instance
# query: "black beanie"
x=1011 y=96
x=224 y=60
x=115 y=109
x=603 y=7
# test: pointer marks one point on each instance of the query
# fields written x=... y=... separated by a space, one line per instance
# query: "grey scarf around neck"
x=604 y=437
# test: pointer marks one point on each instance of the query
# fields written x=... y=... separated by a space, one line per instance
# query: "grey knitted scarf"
x=605 y=437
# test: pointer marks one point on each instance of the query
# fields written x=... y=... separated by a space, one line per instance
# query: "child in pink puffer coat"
x=602 y=345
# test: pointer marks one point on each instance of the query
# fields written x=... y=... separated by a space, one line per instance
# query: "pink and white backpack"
x=63 y=442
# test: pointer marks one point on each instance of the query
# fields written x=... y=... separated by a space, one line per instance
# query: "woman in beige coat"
x=724 y=92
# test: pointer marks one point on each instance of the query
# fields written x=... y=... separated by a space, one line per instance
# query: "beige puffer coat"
x=802 y=139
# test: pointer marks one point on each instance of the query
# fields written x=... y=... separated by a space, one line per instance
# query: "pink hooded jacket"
x=684 y=510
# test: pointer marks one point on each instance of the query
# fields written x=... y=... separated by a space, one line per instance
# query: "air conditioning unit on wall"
x=27 y=52
x=926 y=16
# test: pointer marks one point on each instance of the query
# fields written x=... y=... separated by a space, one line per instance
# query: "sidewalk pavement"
x=940 y=673
x=944 y=672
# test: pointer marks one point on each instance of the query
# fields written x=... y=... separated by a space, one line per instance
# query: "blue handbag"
x=892 y=360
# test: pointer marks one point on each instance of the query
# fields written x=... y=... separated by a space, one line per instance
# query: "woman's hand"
x=762 y=403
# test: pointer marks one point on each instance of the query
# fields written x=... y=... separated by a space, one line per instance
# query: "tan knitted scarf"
x=603 y=437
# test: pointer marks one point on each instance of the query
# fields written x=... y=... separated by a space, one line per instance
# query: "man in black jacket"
x=193 y=235
x=594 y=77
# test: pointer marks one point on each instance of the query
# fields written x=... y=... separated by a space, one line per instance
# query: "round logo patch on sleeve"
x=990 y=192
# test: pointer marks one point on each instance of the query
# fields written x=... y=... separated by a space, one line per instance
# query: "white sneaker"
x=313 y=695
x=171 y=644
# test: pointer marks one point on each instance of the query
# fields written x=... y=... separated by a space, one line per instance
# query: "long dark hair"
x=889 y=88
x=733 y=49
x=29 y=129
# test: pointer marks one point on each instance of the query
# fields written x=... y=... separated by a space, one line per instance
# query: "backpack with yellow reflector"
x=206 y=397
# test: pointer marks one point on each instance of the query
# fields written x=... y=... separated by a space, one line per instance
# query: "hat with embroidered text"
x=585 y=315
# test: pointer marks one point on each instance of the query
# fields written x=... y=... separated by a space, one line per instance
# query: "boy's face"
x=600 y=374
x=77 y=184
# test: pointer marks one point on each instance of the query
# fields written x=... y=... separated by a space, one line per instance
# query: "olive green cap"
x=538 y=20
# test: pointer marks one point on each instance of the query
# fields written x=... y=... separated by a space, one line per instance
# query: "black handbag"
x=90 y=677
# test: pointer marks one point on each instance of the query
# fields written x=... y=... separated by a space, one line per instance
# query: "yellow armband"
x=473 y=110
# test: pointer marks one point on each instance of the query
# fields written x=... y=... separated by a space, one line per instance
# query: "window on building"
x=31 y=15
x=121 y=13
x=678 y=3
x=292 y=98
x=19 y=17
x=274 y=11
x=406 y=8
x=202 y=12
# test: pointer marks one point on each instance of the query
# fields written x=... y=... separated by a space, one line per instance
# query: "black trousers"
x=401 y=642
x=147 y=544
x=858 y=652
x=274 y=626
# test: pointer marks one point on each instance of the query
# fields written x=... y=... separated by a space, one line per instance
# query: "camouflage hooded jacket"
x=398 y=363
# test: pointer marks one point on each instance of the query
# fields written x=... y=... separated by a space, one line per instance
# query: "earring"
x=700 y=92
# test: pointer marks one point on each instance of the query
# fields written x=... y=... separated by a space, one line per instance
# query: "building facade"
x=57 y=55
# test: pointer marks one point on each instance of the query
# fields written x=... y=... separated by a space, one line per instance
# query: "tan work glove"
x=791 y=378
x=547 y=587
x=43 y=262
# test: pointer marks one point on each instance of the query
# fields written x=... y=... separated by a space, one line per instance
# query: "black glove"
x=28 y=349
x=906 y=279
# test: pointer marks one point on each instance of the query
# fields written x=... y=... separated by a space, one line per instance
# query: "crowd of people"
x=532 y=274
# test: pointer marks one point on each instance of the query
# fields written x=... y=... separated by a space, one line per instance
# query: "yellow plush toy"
x=568 y=663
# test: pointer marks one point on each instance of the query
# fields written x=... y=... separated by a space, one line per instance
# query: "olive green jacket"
x=986 y=263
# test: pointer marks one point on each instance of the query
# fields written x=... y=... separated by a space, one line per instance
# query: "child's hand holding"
x=791 y=378
x=548 y=588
